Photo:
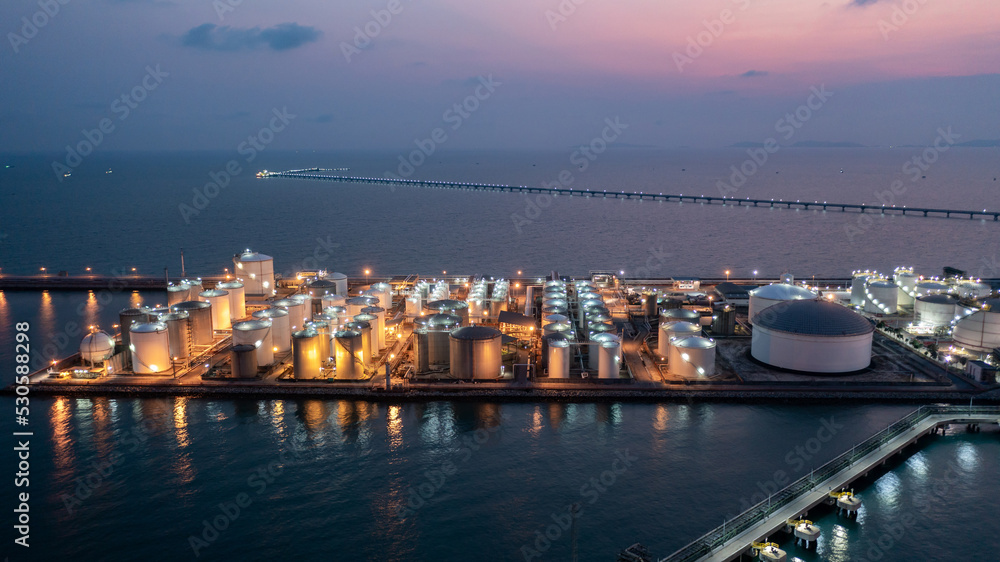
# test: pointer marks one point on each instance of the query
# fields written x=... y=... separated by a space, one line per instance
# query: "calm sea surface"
x=342 y=480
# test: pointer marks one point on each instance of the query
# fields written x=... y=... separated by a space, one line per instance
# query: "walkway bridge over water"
x=643 y=196
x=732 y=539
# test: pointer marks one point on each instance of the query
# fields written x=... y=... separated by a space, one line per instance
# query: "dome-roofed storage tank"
x=339 y=313
x=178 y=332
x=476 y=353
x=648 y=301
x=317 y=288
x=306 y=360
x=676 y=314
x=972 y=289
x=199 y=320
x=237 y=298
x=558 y=358
x=560 y=328
x=935 y=310
x=150 y=347
x=439 y=328
x=769 y=295
x=724 y=320
x=339 y=282
x=421 y=345
x=258 y=334
x=555 y=319
x=355 y=304
x=324 y=326
x=692 y=357
x=980 y=331
x=329 y=300
x=97 y=347
x=858 y=281
x=299 y=312
x=372 y=322
x=384 y=291
x=594 y=348
x=348 y=354
x=906 y=280
x=257 y=272
x=813 y=337
x=177 y=293
x=195 y=288
x=931 y=287
x=379 y=327
x=671 y=330
x=281 y=329
x=609 y=360
x=127 y=317
x=243 y=359
x=365 y=329
x=219 y=300
x=881 y=296
x=450 y=306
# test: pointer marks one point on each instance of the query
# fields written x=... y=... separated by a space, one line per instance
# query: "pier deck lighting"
x=43 y=269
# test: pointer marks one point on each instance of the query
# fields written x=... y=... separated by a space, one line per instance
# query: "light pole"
x=727 y=275
x=755 y=275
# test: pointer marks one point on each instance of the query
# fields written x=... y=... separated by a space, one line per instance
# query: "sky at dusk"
x=379 y=74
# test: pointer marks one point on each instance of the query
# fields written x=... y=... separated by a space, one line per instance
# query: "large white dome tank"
x=980 y=331
x=692 y=357
x=97 y=347
x=767 y=296
x=257 y=272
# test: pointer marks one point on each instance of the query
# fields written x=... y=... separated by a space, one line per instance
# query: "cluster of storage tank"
x=424 y=292
x=679 y=341
x=442 y=343
x=483 y=305
x=257 y=272
x=575 y=314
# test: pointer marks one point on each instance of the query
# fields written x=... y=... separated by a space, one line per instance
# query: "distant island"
x=981 y=143
x=802 y=144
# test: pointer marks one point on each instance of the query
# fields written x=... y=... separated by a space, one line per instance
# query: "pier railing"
x=719 y=536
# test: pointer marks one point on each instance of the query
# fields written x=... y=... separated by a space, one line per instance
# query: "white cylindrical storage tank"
x=379 y=313
x=355 y=304
x=555 y=319
x=813 y=337
x=969 y=289
x=372 y=321
x=97 y=347
x=384 y=291
x=237 y=298
x=257 y=272
x=413 y=305
x=150 y=347
x=675 y=329
x=281 y=329
x=199 y=320
x=306 y=359
x=560 y=328
x=980 y=331
x=858 y=280
x=325 y=326
x=449 y=306
x=258 y=334
x=339 y=315
x=906 y=280
x=439 y=328
x=219 y=300
x=365 y=352
x=178 y=332
x=594 y=348
x=348 y=354
x=340 y=283
x=770 y=295
x=935 y=310
x=476 y=353
x=609 y=360
x=558 y=358
x=692 y=357
x=679 y=314
x=195 y=288
x=243 y=359
x=317 y=289
x=177 y=293
x=881 y=296
x=306 y=302
x=329 y=300
x=299 y=312
x=421 y=345
x=931 y=287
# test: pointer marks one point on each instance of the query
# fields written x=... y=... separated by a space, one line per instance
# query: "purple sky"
x=898 y=70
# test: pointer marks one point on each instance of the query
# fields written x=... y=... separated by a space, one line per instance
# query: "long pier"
x=734 y=538
x=644 y=196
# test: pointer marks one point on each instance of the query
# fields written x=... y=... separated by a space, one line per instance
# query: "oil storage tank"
x=680 y=314
x=935 y=310
x=97 y=347
x=594 y=348
x=299 y=311
x=317 y=289
x=348 y=354
x=767 y=296
x=339 y=283
x=439 y=328
x=199 y=320
x=858 y=280
x=219 y=300
x=609 y=360
x=150 y=347
x=177 y=293
x=379 y=313
x=558 y=356
x=450 y=306
x=257 y=272
x=906 y=280
x=980 y=331
x=671 y=330
x=881 y=296
x=355 y=304
x=243 y=359
x=195 y=288
x=258 y=334
x=692 y=357
x=365 y=353
x=178 y=333
x=306 y=359
x=237 y=298
x=127 y=317
x=324 y=326
x=475 y=353
x=281 y=330
x=813 y=337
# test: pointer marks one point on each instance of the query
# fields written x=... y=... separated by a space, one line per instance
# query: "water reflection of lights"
x=917 y=465
x=63 y=449
x=889 y=491
x=662 y=417
x=968 y=456
x=838 y=545
x=536 y=421
x=180 y=422
x=395 y=427
x=135 y=300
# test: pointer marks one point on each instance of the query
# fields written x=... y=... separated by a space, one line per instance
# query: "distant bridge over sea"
x=645 y=196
